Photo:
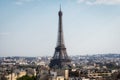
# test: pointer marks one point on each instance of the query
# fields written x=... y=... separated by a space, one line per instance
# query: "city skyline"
x=29 y=27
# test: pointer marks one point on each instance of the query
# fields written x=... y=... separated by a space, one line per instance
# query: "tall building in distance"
x=60 y=58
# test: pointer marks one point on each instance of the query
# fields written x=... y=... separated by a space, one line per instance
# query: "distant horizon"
x=30 y=27
x=69 y=55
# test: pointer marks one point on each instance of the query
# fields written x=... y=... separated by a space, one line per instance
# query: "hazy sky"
x=29 y=27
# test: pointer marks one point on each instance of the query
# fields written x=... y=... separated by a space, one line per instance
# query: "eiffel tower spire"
x=60 y=57
x=60 y=41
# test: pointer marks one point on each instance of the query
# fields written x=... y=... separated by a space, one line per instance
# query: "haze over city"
x=30 y=27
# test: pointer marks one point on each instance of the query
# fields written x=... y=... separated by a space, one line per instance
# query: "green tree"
x=26 y=77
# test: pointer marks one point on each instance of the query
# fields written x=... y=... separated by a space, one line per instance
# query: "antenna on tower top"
x=60 y=7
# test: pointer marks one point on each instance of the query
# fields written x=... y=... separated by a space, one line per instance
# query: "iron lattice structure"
x=60 y=58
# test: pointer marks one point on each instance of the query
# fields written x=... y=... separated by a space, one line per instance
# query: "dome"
x=60 y=13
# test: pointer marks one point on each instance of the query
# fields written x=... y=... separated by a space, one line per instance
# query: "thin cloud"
x=20 y=2
x=4 y=34
x=95 y=2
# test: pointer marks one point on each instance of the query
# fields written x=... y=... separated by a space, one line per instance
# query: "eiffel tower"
x=60 y=58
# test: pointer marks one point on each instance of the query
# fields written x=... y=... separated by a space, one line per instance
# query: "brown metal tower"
x=60 y=58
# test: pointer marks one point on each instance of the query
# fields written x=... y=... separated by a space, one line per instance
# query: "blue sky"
x=29 y=27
